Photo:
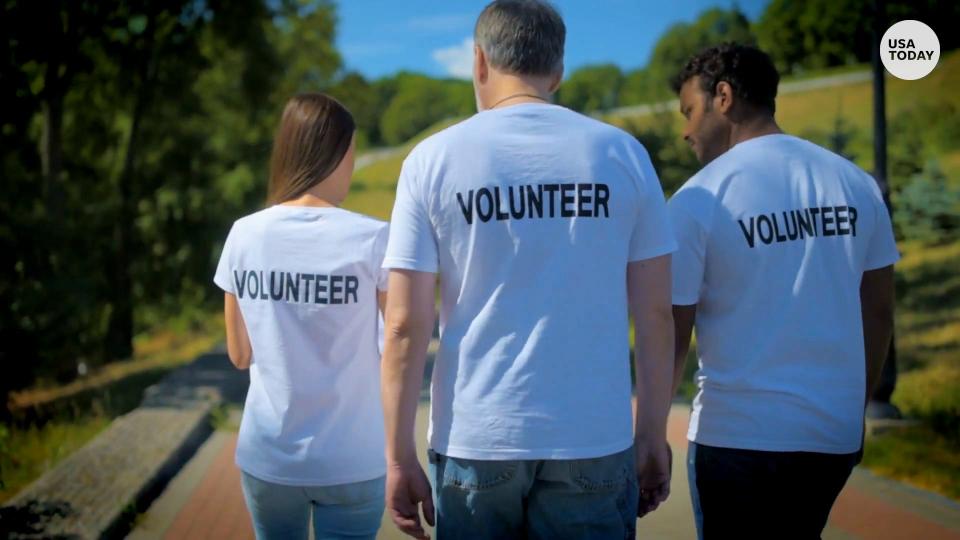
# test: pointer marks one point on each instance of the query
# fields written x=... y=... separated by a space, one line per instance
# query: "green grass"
x=26 y=453
x=225 y=417
x=825 y=72
x=919 y=456
x=374 y=186
x=51 y=422
x=928 y=386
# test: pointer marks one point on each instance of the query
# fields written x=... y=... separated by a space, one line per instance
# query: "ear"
x=480 y=69
x=555 y=80
x=723 y=97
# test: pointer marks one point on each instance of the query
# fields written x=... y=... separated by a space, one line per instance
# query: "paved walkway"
x=205 y=502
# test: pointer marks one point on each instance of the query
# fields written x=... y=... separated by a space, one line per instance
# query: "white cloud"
x=456 y=59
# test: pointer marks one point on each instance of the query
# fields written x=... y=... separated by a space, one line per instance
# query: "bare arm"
x=410 y=315
x=876 y=306
x=238 y=341
x=683 y=317
x=648 y=292
x=382 y=302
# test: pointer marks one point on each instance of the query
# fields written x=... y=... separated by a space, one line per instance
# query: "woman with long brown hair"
x=302 y=284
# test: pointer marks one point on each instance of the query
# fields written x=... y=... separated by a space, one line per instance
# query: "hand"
x=407 y=486
x=654 y=465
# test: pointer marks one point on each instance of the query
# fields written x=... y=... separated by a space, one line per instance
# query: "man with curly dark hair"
x=785 y=266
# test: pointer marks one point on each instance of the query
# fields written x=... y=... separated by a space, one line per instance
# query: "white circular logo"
x=910 y=50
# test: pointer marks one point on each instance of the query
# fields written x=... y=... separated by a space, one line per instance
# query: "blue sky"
x=381 y=37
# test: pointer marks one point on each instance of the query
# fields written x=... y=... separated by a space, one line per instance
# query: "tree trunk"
x=119 y=339
x=51 y=141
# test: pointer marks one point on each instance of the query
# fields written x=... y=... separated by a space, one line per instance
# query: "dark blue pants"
x=754 y=494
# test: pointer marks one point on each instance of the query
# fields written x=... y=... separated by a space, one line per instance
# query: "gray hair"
x=523 y=37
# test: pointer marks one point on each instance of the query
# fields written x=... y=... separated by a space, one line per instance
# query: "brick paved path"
x=869 y=507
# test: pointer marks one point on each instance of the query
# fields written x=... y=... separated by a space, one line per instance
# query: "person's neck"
x=511 y=90
x=753 y=128
x=312 y=200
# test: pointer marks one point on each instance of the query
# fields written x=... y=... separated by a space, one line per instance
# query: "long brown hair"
x=314 y=134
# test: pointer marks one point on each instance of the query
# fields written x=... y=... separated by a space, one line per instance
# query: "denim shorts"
x=340 y=511
x=570 y=498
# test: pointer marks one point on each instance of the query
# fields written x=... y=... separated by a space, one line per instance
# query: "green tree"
x=814 y=34
x=927 y=208
x=166 y=113
x=677 y=45
x=672 y=158
x=592 y=88
x=420 y=102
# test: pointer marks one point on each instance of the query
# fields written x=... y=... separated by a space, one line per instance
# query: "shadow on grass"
x=109 y=400
x=29 y=520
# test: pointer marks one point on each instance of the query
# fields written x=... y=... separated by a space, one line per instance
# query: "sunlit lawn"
x=918 y=456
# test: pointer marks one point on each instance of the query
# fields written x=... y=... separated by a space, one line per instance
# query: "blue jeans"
x=571 y=498
x=340 y=511
x=692 y=482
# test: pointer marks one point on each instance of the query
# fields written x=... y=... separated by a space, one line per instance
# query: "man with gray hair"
x=548 y=230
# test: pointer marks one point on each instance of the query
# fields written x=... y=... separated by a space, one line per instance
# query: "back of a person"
x=788 y=240
x=785 y=272
x=534 y=207
x=546 y=229
x=302 y=286
x=310 y=306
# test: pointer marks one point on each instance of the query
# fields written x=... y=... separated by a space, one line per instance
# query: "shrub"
x=932 y=394
x=927 y=208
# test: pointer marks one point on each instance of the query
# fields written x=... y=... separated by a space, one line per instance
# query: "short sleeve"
x=223 y=277
x=689 y=261
x=379 y=250
x=882 y=249
x=412 y=244
x=652 y=234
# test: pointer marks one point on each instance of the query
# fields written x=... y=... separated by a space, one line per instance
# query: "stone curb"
x=97 y=491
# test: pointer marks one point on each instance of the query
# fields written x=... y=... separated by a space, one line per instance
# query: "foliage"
x=814 y=34
x=927 y=208
x=592 y=88
x=837 y=139
x=141 y=129
x=932 y=394
x=420 y=101
x=917 y=455
x=676 y=45
x=673 y=160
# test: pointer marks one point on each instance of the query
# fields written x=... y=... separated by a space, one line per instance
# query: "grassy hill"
x=374 y=186
x=798 y=113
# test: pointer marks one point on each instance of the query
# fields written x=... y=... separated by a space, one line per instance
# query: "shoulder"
x=712 y=176
x=363 y=223
x=697 y=198
x=436 y=143
x=252 y=222
x=851 y=173
x=598 y=131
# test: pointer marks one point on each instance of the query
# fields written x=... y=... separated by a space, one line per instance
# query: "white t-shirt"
x=306 y=280
x=775 y=235
x=530 y=214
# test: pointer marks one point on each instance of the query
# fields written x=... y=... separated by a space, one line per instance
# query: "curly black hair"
x=747 y=69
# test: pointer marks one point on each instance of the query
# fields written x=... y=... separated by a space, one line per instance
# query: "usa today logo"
x=910 y=50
